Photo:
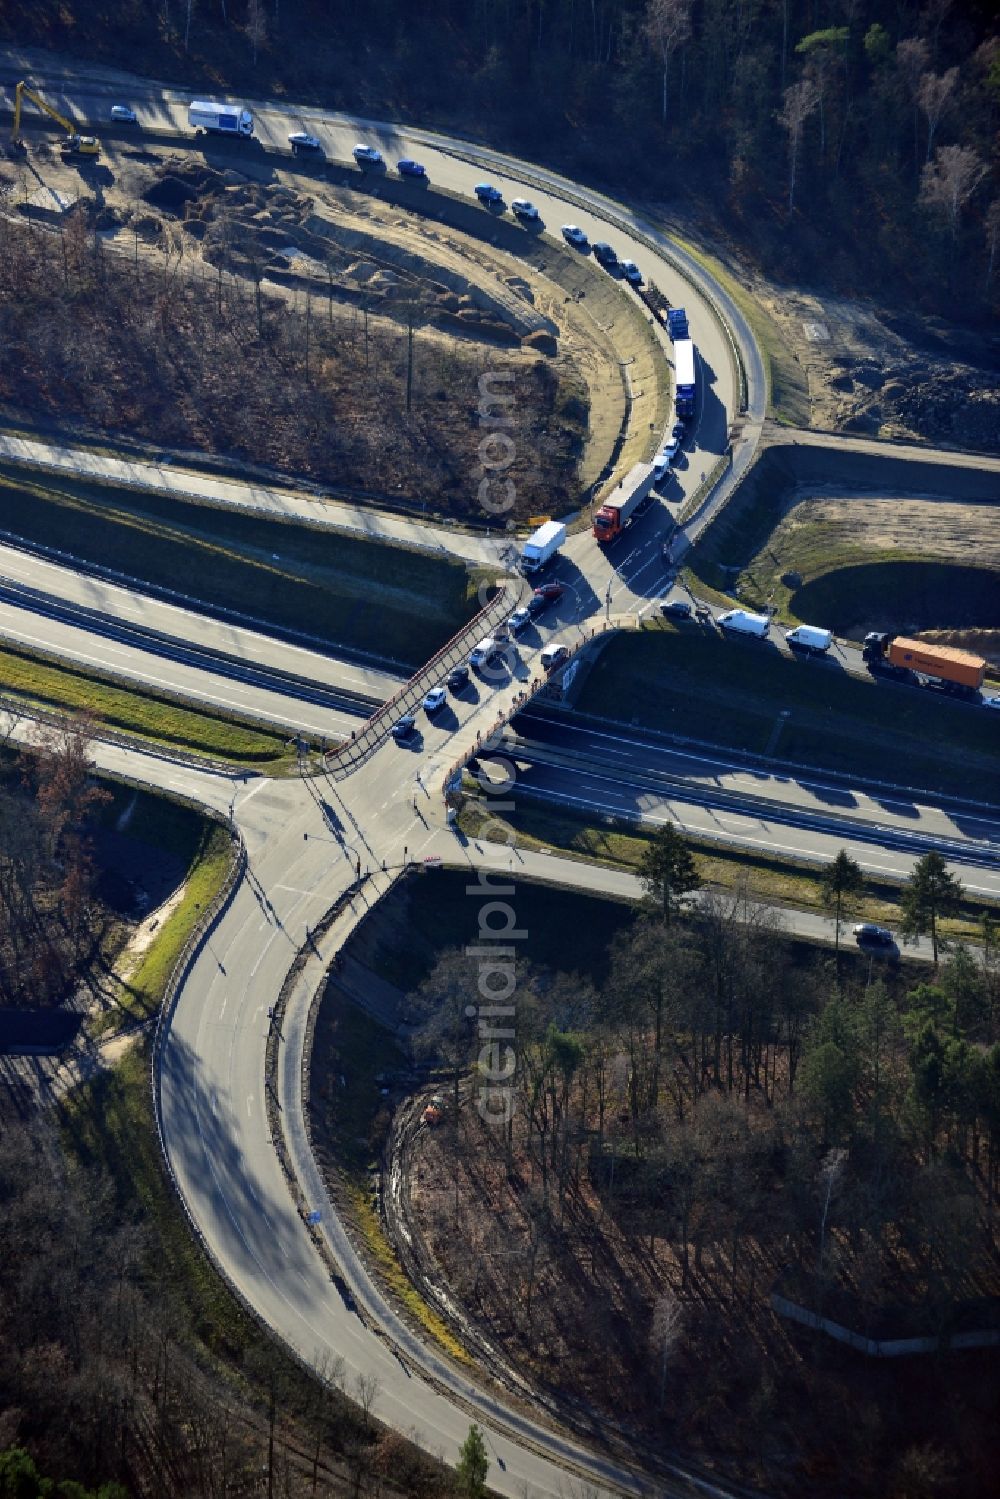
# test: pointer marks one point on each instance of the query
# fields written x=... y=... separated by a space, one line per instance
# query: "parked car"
x=678 y=432
x=488 y=194
x=604 y=254
x=991 y=702
x=124 y=114
x=867 y=932
x=408 y=168
x=663 y=463
x=522 y=209
x=367 y=156
x=632 y=273
x=554 y=655
x=574 y=235
x=302 y=142
x=435 y=700
x=519 y=621
x=403 y=727
x=676 y=609
x=458 y=678
x=537 y=605
x=549 y=592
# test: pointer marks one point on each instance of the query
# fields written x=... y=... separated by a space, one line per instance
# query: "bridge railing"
x=364 y=741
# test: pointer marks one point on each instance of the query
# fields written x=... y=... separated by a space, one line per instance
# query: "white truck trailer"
x=810 y=639
x=219 y=119
x=542 y=545
x=742 y=622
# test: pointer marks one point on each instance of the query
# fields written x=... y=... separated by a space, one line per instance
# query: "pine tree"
x=932 y=892
x=842 y=883
x=472 y=1465
x=668 y=871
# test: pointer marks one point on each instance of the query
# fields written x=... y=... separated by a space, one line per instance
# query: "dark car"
x=458 y=678
x=549 y=592
x=488 y=194
x=408 y=168
x=304 y=144
x=604 y=254
x=676 y=609
x=403 y=727
x=867 y=934
x=537 y=605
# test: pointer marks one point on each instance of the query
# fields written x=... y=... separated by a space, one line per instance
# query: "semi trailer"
x=220 y=119
x=624 y=503
x=942 y=667
x=684 y=378
x=542 y=545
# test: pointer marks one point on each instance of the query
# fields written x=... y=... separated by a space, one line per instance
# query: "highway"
x=321 y=846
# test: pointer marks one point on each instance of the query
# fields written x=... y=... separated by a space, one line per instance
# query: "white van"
x=742 y=622
x=482 y=654
x=810 y=639
x=554 y=655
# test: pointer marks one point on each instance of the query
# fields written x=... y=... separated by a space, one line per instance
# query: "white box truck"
x=542 y=545
x=741 y=622
x=810 y=639
x=219 y=119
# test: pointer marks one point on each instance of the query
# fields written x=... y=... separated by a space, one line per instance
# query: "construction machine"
x=74 y=143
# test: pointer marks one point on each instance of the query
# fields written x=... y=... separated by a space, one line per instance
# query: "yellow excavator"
x=75 y=144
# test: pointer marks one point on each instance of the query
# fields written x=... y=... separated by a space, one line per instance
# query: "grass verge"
x=40 y=682
x=142 y=993
x=341 y=589
x=621 y=846
x=690 y=681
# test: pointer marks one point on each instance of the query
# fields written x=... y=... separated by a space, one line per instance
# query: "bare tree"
x=668 y=1321
x=912 y=57
x=949 y=181
x=991 y=223
x=800 y=101
x=935 y=95
x=830 y=1172
x=256 y=26
x=366 y=1388
x=668 y=26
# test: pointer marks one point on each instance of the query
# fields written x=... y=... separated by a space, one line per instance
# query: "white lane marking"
x=249 y=1104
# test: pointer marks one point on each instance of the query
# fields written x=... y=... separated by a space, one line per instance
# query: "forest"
x=848 y=144
x=727 y=1117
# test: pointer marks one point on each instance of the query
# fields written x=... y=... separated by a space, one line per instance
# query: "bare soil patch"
x=872 y=373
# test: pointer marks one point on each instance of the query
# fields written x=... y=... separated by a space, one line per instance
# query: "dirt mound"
x=939 y=402
x=170 y=194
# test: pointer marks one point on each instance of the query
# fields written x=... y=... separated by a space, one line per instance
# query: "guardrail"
x=365 y=741
x=604 y=208
x=537 y=685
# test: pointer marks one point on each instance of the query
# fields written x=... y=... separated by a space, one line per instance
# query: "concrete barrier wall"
x=884 y=1347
